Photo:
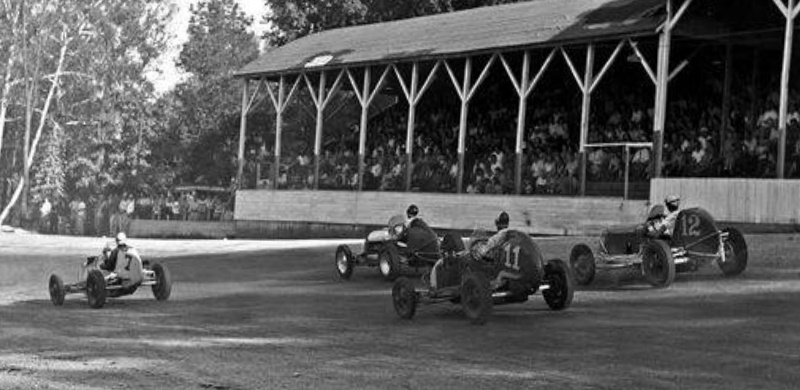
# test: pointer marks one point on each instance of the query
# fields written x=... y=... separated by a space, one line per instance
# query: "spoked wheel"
x=404 y=298
x=387 y=264
x=163 y=287
x=735 y=248
x=658 y=267
x=476 y=298
x=581 y=259
x=562 y=285
x=57 y=292
x=344 y=262
x=96 y=289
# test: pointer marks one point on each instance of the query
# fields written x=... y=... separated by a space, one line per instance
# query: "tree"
x=205 y=109
x=98 y=94
x=292 y=19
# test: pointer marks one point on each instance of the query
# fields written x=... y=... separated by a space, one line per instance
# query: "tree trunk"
x=42 y=121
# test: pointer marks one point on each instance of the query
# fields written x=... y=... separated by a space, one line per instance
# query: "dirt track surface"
x=257 y=315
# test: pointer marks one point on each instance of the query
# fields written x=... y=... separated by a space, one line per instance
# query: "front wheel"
x=561 y=285
x=405 y=298
x=96 y=289
x=658 y=266
x=344 y=262
x=388 y=265
x=163 y=287
x=476 y=298
x=57 y=292
x=735 y=248
x=581 y=259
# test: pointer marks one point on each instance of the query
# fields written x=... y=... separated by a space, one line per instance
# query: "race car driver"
x=123 y=262
x=661 y=223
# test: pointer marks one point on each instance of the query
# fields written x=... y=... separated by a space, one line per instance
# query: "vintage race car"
x=396 y=250
x=509 y=273
x=696 y=240
x=99 y=285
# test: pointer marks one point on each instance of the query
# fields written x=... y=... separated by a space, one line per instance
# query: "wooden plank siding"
x=762 y=201
x=536 y=215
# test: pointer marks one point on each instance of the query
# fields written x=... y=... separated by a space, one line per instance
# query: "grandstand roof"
x=526 y=24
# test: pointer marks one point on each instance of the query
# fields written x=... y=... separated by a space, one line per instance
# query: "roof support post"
x=242 y=134
x=365 y=98
x=279 y=103
x=524 y=88
x=726 y=99
x=413 y=95
x=663 y=77
x=790 y=12
x=466 y=91
x=586 y=109
x=321 y=98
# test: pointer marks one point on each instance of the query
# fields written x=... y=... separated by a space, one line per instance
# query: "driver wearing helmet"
x=412 y=213
x=122 y=262
x=661 y=220
x=501 y=223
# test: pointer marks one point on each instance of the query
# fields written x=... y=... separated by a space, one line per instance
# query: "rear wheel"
x=57 y=292
x=658 y=267
x=735 y=248
x=561 y=285
x=163 y=287
x=344 y=262
x=581 y=259
x=388 y=265
x=404 y=298
x=476 y=297
x=96 y=289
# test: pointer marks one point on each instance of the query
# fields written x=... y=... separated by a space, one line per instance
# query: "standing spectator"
x=44 y=216
x=80 y=218
x=100 y=211
x=175 y=208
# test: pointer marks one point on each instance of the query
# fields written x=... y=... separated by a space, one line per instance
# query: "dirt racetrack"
x=272 y=315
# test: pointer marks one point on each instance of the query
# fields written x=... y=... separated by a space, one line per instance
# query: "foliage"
x=292 y=19
x=204 y=111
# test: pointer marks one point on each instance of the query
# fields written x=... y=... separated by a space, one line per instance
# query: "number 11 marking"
x=512 y=257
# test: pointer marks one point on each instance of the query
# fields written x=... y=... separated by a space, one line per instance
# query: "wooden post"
x=412 y=118
x=790 y=12
x=413 y=95
x=627 y=156
x=462 y=125
x=466 y=91
x=279 y=103
x=662 y=82
x=242 y=135
x=321 y=98
x=318 y=128
x=586 y=108
x=726 y=98
x=365 y=98
x=362 y=134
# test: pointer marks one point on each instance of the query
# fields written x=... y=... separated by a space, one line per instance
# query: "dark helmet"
x=672 y=202
x=502 y=221
x=412 y=211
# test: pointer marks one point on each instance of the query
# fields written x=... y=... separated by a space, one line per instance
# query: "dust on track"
x=271 y=314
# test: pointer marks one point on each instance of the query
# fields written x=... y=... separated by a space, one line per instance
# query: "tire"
x=57 y=292
x=658 y=267
x=581 y=260
x=163 y=287
x=344 y=262
x=735 y=248
x=562 y=285
x=404 y=298
x=476 y=298
x=388 y=265
x=96 y=289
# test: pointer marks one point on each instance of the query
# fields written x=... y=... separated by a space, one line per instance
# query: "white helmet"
x=122 y=239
